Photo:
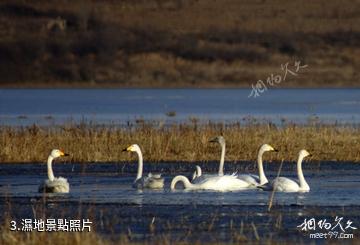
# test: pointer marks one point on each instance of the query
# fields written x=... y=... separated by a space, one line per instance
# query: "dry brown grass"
x=180 y=142
x=62 y=238
x=56 y=238
x=176 y=43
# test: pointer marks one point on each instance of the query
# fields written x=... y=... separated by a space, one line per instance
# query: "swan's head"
x=58 y=153
x=133 y=147
x=267 y=147
x=197 y=173
x=304 y=153
x=218 y=139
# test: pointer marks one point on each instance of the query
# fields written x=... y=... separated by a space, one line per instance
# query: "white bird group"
x=214 y=182
x=221 y=182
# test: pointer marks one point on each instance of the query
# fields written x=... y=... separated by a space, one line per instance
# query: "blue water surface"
x=119 y=106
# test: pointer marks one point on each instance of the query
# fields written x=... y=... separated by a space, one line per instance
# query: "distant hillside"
x=178 y=43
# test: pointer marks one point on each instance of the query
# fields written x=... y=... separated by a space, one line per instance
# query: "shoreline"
x=82 y=85
x=206 y=85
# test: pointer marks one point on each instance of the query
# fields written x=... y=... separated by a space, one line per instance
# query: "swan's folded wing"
x=58 y=185
x=285 y=185
x=152 y=181
x=203 y=178
x=250 y=178
x=227 y=183
x=155 y=183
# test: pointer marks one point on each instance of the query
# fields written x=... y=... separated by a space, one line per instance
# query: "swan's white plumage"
x=216 y=183
x=288 y=185
x=151 y=181
x=198 y=176
x=285 y=185
x=252 y=179
x=58 y=185
x=54 y=184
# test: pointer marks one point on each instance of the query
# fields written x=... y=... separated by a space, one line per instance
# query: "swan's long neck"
x=140 y=165
x=302 y=181
x=222 y=159
x=263 y=179
x=49 y=168
x=182 y=179
x=198 y=171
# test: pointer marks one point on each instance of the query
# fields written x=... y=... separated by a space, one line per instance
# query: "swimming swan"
x=255 y=180
x=197 y=176
x=288 y=185
x=54 y=184
x=152 y=181
x=221 y=141
x=216 y=183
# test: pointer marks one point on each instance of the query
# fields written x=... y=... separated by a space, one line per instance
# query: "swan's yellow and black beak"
x=275 y=150
x=128 y=148
x=63 y=154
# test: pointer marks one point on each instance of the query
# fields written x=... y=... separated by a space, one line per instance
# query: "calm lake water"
x=119 y=106
x=102 y=192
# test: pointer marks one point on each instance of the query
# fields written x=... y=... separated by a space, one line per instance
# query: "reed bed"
x=178 y=142
x=62 y=238
x=56 y=238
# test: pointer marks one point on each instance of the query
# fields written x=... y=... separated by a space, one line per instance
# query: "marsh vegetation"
x=178 y=142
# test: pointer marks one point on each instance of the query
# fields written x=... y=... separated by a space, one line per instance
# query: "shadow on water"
x=102 y=192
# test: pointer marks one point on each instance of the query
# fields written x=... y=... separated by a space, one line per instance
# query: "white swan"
x=152 y=181
x=289 y=185
x=197 y=176
x=255 y=180
x=216 y=183
x=221 y=141
x=54 y=184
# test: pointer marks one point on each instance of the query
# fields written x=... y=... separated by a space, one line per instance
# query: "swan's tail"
x=180 y=178
x=155 y=176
